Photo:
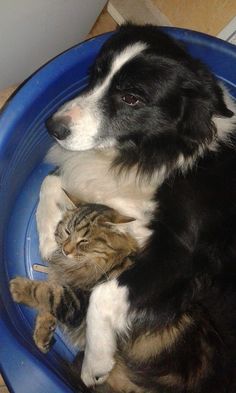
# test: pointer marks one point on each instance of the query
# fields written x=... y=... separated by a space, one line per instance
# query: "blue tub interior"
x=23 y=144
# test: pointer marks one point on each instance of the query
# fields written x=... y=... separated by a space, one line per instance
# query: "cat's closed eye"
x=62 y=231
x=81 y=243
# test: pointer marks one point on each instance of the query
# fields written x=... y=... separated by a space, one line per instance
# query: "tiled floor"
x=103 y=24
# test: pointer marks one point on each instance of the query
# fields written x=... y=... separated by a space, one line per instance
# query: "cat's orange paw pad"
x=18 y=288
x=44 y=331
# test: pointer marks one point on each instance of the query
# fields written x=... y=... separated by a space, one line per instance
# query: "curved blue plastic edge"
x=22 y=371
x=219 y=55
x=23 y=116
x=23 y=144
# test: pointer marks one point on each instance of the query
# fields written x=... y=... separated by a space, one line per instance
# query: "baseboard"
x=140 y=12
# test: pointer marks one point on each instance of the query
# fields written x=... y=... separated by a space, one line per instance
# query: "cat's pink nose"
x=67 y=249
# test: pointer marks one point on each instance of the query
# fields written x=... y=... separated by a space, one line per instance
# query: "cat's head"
x=95 y=233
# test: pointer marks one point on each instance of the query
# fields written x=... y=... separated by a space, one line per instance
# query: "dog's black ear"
x=200 y=103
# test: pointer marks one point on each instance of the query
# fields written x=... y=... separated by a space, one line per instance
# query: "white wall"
x=33 y=31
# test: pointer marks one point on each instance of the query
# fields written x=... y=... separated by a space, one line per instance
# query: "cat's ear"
x=114 y=217
x=71 y=201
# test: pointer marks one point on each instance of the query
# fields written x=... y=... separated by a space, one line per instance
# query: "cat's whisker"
x=94 y=265
x=101 y=269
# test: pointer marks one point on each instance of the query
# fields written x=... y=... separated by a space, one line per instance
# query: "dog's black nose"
x=57 y=128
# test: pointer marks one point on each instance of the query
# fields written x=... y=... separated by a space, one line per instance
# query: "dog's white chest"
x=87 y=176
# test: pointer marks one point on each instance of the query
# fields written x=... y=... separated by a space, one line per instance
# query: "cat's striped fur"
x=93 y=246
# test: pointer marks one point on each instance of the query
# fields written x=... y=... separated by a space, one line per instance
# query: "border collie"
x=153 y=135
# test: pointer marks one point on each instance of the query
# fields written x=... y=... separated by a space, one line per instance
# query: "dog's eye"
x=130 y=99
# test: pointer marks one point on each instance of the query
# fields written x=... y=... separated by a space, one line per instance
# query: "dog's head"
x=146 y=94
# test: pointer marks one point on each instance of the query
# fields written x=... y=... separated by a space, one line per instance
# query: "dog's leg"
x=49 y=213
x=107 y=317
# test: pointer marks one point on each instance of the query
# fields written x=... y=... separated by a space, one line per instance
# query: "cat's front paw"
x=44 y=330
x=20 y=289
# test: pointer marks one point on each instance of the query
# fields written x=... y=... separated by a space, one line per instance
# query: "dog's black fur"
x=178 y=97
x=189 y=264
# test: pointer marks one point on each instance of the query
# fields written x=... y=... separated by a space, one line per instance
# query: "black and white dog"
x=153 y=136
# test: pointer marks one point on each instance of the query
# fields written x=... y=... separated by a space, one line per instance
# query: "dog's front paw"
x=20 y=289
x=49 y=214
x=96 y=368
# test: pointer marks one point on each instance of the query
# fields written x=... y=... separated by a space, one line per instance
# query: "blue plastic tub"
x=23 y=144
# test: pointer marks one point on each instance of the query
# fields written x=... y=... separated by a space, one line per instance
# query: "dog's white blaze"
x=127 y=54
x=84 y=111
x=107 y=316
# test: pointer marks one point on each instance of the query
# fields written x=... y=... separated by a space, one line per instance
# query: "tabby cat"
x=92 y=247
